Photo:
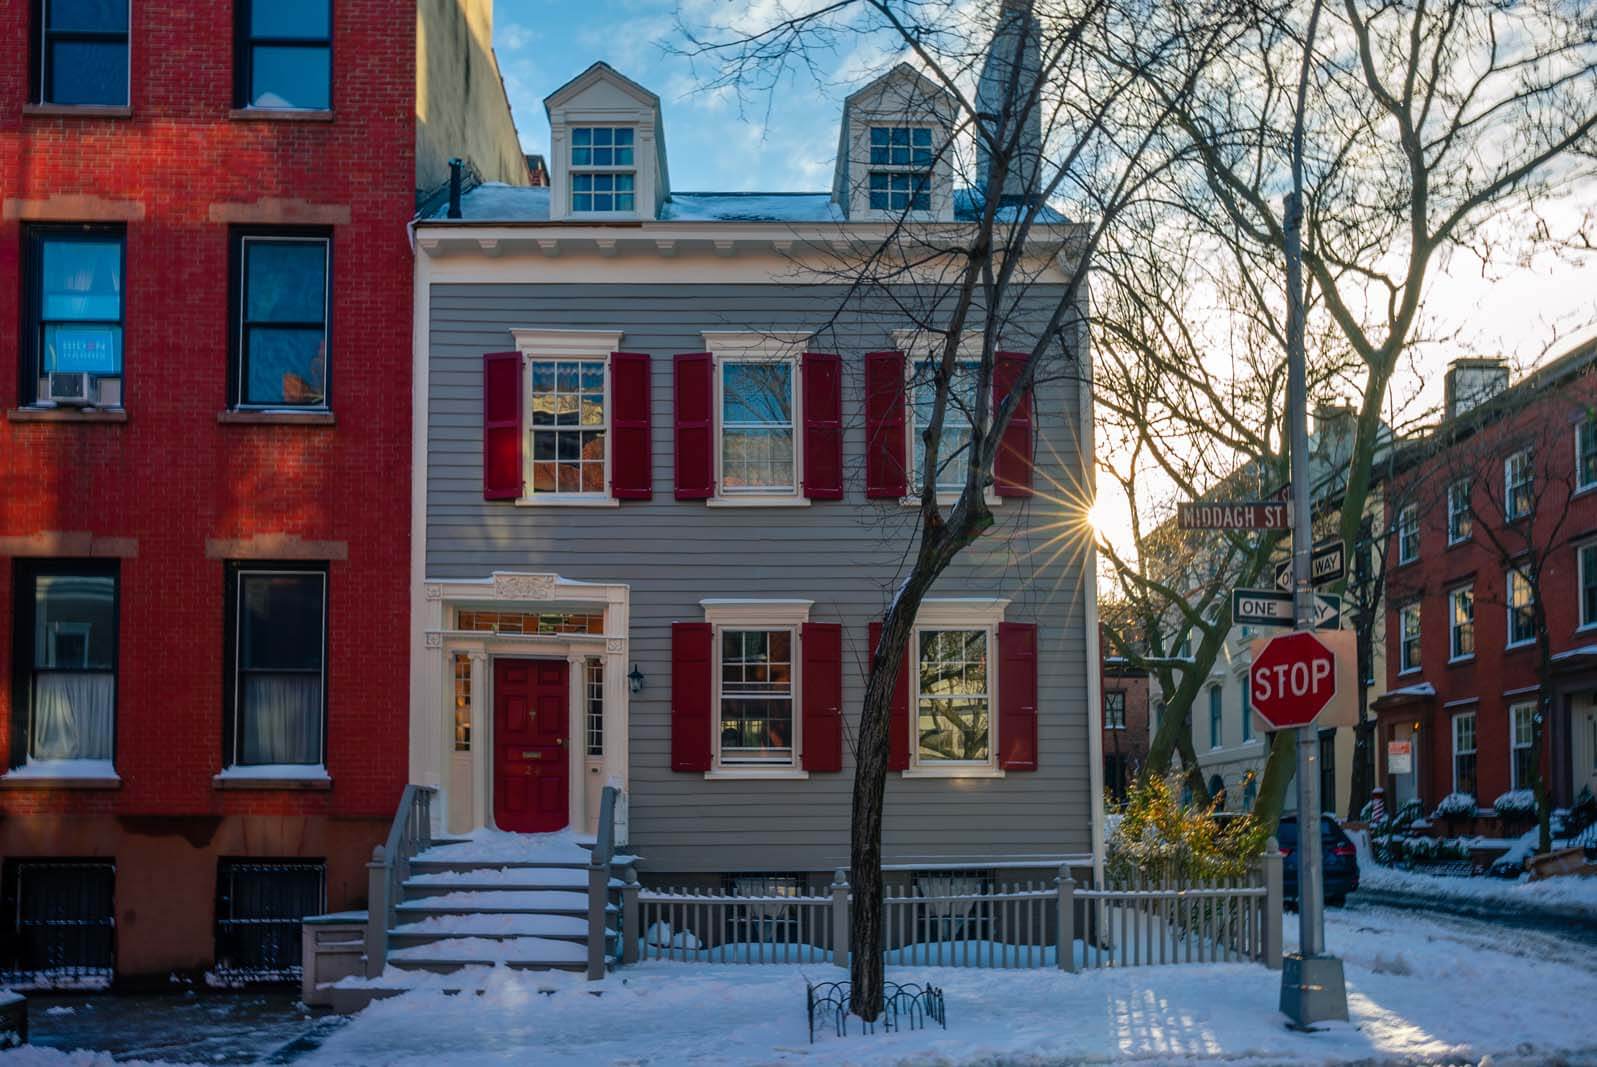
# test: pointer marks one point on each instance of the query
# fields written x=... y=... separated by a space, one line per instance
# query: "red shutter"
x=898 y=711
x=1017 y=696
x=691 y=695
x=1012 y=465
x=631 y=452
x=501 y=426
x=694 y=411
x=823 y=426
x=823 y=696
x=885 y=467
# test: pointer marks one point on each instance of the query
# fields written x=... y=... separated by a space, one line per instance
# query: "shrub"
x=1582 y=813
x=1157 y=837
x=1515 y=803
x=1454 y=806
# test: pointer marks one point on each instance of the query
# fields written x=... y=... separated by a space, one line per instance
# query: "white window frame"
x=573 y=170
x=753 y=614
x=1454 y=655
x=1514 y=746
x=1408 y=526
x=1526 y=458
x=1588 y=423
x=1404 y=666
x=918 y=347
x=771 y=347
x=957 y=613
x=1456 y=513
x=556 y=345
x=1474 y=749
x=1509 y=577
x=1580 y=592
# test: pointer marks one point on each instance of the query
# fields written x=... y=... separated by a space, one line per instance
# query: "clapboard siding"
x=845 y=555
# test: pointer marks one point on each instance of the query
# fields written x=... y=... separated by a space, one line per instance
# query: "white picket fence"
x=1014 y=925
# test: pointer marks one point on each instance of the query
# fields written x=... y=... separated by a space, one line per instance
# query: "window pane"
x=756 y=696
x=86 y=72
x=953 y=703
x=757 y=394
x=301 y=19
x=103 y=16
x=280 y=616
x=285 y=366
x=286 y=281
x=280 y=718
x=290 y=76
x=82 y=280
x=74 y=619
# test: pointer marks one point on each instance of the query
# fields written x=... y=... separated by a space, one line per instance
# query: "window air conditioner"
x=69 y=388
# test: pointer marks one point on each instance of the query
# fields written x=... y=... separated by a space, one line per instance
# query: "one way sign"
x=1327 y=564
x=1266 y=607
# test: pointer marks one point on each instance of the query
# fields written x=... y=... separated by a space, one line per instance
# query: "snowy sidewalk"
x=1419 y=992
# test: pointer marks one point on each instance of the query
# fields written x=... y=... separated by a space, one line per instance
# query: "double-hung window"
x=277 y=646
x=1588 y=584
x=65 y=677
x=1408 y=534
x=1216 y=717
x=1464 y=753
x=1522 y=737
x=1408 y=656
x=1518 y=485
x=74 y=309
x=280 y=320
x=1460 y=520
x=80 y=53
x=1586 y=453
x=959 y=411
x=756 y=698
x=569 y=423
x=603 y=169
x=758 y=403
x=954 y=697
x=1114 y=709
x=900 y=173
x=1461 y=623
x=1521 y=610
x=284 y=54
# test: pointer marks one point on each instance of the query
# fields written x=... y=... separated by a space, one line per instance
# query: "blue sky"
x=543 y=43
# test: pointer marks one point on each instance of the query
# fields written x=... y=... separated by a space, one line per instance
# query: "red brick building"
x=1126 y=729
x=1506 y=484
x=205 y=352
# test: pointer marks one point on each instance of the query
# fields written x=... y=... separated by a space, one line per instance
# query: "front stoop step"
x=504 y=925
x=498 y=902
x=521 y=953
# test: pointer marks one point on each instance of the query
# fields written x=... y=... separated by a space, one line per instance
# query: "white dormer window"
x=603 y=170
x=900 y=168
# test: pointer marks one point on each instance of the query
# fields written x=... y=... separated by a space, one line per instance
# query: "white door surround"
x=465 y=780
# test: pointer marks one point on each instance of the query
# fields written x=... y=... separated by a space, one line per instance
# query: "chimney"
x=1471 y=382
x=455 y=167
x=1016 y=46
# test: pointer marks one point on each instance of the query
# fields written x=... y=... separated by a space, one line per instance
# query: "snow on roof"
x=1423 y=689
x=498 y=202
x=1573 y=653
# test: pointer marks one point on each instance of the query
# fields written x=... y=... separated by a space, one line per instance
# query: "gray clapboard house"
x=664 y=483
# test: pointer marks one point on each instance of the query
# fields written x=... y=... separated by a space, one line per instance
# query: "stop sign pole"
x=1312 y=986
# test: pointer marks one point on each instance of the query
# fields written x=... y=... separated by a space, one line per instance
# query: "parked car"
x=1340 y=866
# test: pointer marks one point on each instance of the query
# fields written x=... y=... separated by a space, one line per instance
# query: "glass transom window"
x=568 y=426
x=756 y=696
x=757 y=454
x=954 y=702
x=954 y=446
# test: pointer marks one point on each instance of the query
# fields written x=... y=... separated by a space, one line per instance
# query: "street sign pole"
x=1312 y=986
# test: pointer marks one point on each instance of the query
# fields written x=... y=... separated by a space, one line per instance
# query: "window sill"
x=1460 y=542
x=273 y=776
x=1515 y=646
x=236 y=417
x=756 y=501
x=1411 y=670
x=280 y=114
x=557 y=501
x=32 y=414
x=62 y=774
x=953 y=772
x=1455 y=661
x=749 y=774
x=79 y=111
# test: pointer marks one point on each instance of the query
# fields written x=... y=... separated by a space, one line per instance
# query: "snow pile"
x=1515 y=802
x=1571 y=895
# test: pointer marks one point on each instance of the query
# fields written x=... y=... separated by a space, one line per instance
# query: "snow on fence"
x=1017 y=925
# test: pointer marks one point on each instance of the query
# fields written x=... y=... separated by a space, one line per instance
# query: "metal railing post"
x=840 y=917
x=377 y=912
x=1067 y=919
x=1272 y=904
x=630 y=930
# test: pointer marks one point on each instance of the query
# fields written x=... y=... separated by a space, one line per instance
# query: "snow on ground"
x=1568 y=895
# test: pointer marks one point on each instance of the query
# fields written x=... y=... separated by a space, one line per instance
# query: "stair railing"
x=386 y=874
x=599 y=883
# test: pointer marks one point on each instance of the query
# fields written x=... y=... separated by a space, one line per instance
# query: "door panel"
x=531 y=766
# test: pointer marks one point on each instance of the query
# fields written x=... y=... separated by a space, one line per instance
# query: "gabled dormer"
x=894 y=158
x=607 y=149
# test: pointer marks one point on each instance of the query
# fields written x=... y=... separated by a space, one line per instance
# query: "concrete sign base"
x=1312 y=989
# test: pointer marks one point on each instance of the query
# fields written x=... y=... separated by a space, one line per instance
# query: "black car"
x=1340 y=866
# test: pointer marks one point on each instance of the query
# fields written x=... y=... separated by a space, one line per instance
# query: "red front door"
x=531 y=768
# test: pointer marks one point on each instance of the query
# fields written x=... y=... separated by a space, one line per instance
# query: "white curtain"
x=74 y=715
x=282 y=720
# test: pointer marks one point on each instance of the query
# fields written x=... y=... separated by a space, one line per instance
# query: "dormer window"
x=603 y=171
x=893 y=160
x=901 y=168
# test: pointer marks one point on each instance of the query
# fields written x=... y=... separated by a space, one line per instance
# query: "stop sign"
x=1292 y=680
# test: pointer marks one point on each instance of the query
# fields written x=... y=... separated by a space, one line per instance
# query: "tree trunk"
x=1278 y=767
